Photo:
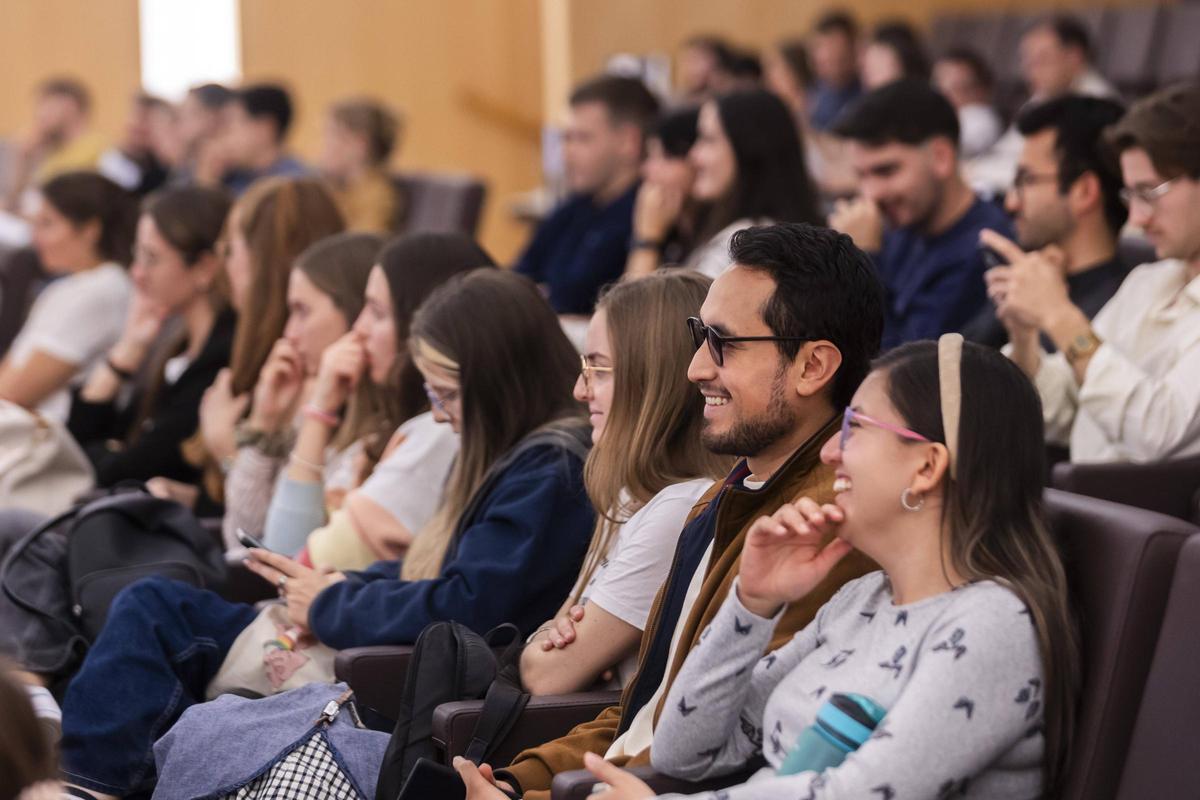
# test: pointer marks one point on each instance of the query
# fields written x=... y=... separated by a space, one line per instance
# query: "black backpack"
x=451 y=662
x=57 y=583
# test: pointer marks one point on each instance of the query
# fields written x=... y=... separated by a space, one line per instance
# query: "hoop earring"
x=905 y=501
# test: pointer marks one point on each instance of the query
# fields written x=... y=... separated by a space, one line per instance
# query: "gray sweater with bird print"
x=959 y=674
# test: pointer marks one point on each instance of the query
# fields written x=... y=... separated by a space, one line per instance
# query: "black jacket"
x=118 y=453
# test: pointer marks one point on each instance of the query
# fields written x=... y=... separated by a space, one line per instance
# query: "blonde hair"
x=652 y=435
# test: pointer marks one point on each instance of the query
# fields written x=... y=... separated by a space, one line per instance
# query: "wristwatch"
x=1082 y=346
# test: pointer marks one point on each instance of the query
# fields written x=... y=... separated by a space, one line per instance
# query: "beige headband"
x=950 y=347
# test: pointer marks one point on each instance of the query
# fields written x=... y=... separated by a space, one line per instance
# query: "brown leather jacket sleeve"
x=534 y=769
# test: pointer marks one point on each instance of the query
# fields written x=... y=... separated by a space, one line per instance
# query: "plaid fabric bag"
x=306 y=744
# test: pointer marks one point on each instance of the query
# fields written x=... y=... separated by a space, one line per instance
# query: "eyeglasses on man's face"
x=702 y=334
x=1147 y=195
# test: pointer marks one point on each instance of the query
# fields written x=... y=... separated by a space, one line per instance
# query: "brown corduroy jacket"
x=803 y=475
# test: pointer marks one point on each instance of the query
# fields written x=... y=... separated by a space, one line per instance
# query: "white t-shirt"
x=712 y=257
x=411 y=480
x=628 y=578
x=76 y=319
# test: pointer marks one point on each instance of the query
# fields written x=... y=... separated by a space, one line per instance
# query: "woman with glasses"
x=648 y=468
x=954 y=666
x=504 y=546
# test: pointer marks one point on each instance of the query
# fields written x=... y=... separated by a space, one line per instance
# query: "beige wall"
x=95 y=40
x=466 y=72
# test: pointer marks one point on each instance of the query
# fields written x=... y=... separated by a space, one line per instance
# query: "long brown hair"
x=279 y=218
x=515 y=369
x=338 y=266
x=26 y=756
x=992 y=510
x=652 y=435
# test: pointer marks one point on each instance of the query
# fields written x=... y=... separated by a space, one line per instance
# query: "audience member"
x=134 y=164
x=513 y=530
x=833 y=48
x=916 y=215
x=83 y=231
x=176 y=275
x=894 y=51
x=962 y=649
x=789 y=76
x=1056 y=59
x=966 y=80
x=360 y=135
x=254 y=143
x=379 y=519
x=60 y=139
x=706 y=67
x=195 y=155
x=267 y=229
x=666 y=218
x=584 y=243
x=1123 y=386
x=647 y=469
x=1066 y=202
x=750 y=170
x=815 y=296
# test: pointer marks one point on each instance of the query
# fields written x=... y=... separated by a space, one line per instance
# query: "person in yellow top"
x=60 y=140
x=360 y=135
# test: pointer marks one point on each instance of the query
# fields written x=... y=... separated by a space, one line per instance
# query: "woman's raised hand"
x=786 y=555
x=278 y=388
x=342 y=366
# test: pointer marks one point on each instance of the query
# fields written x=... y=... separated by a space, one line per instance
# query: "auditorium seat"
x=1168 y=487
x=1127 y=54
x=1179 y=53
x=1164 y=756
x=1119 y=562
x=440 y=203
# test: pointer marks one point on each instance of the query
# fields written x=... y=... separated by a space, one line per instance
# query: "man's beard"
x=749 y=437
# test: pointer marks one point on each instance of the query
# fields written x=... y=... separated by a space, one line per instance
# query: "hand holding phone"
x=249 y=541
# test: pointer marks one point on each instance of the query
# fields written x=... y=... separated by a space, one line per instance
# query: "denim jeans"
x=163 y=642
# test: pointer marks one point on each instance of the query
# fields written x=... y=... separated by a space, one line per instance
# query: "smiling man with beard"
x=916 y=216
x=783 y=339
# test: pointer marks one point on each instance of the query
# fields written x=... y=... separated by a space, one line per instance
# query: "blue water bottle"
x=843 y=723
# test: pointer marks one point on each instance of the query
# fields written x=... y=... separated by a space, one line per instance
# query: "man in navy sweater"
x=584 y=243
x=916 y=216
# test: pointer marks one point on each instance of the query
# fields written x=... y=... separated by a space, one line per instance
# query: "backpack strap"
x=505 y=699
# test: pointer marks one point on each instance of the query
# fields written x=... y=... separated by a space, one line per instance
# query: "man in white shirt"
x=1125 y=386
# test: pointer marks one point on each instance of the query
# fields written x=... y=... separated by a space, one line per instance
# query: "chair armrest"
x=376 y=674
x=1167 y=487
x=577 y=784
x=544 y=719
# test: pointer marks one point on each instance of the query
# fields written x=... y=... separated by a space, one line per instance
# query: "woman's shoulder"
x=664 y=514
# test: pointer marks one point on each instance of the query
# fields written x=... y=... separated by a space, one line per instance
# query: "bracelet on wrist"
x=315 y=412
x=647 y=244
x=306 y=464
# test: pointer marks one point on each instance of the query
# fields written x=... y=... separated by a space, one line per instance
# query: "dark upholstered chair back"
x=1168 y=487
x=1164 y=757
x=440 y=203
x=1119 y=561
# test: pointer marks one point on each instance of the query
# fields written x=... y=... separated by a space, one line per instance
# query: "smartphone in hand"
x=249 y=541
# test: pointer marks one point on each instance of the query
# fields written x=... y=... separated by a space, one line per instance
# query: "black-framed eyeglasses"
x=702 y=333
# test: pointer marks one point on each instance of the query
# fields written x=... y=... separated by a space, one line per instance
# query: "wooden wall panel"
x=94 y=40
x=466 y=73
